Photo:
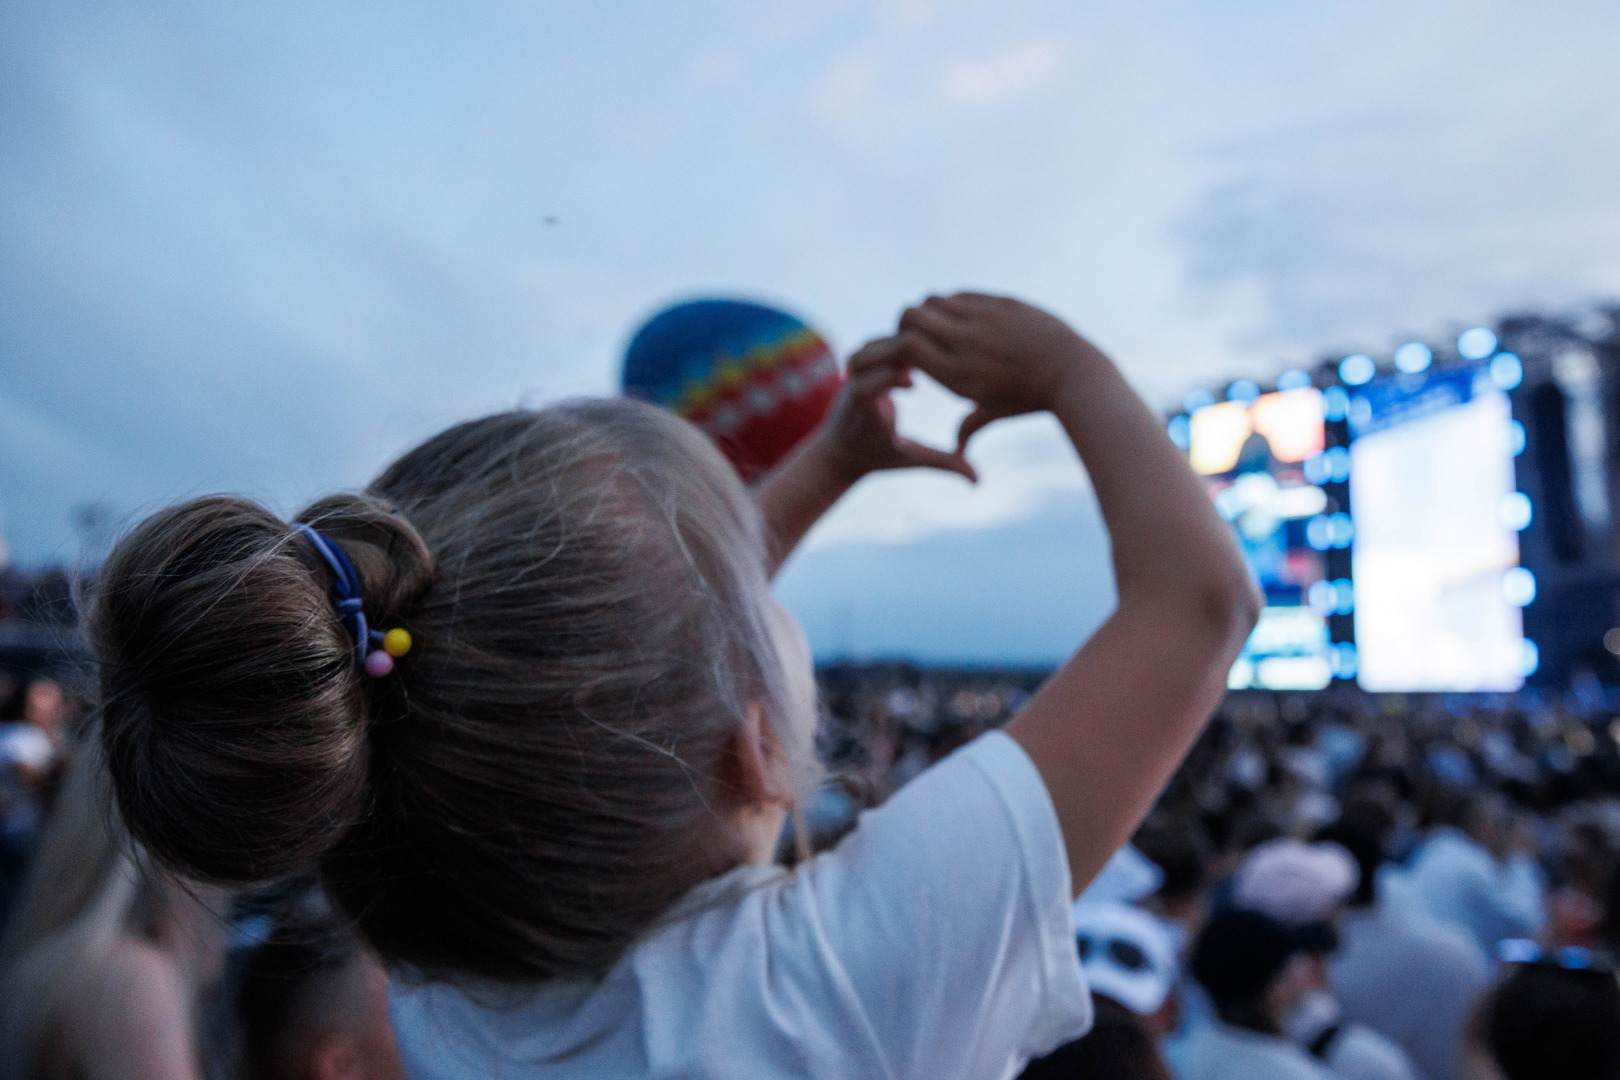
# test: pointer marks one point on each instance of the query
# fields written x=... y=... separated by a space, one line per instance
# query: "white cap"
x=1126 y=953
x=1127 y=876
x=1294 y=882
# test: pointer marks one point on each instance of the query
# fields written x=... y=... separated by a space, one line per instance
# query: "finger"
x=969 y=301
x=876 y=352
x=879 y=380
x=957 y=305
x=926 y=352
x=975 y=420
x=944 y=306
x=932 y=320
x=915 y=453
x=950 y=329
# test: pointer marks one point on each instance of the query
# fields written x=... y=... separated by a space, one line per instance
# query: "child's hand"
x=859 y=433
x=1004 y=355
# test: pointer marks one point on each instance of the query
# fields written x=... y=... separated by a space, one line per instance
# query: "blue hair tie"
x=378 y=661
x=346 y=587
x=350 y=606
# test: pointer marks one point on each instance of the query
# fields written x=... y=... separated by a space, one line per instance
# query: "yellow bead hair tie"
x=397 y=642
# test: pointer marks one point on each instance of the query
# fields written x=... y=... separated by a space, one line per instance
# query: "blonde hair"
x=532 y=787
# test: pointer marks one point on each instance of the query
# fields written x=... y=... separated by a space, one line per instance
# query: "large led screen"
x=1435 y=556
x=1263 y=463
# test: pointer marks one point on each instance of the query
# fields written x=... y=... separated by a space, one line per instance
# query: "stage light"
x=1344 y=597
x=1507 y=371
x=1335 y=403
x=1322 y=597
x=1241 y=677
x=1518 y=586
x=1516 y=438
x=1529 y=657
x=1476 y=344
x=1317 y=469
x=1515 y=511
x=1319 y=532
x=1338 y=464
x=1289 y=503
x=1611 y=641
x=1291 y=421
x=1361 y=413
x=1244 y=390
x=1294 y=379
x=1341 y=530
x=1180 y=431
x=1197 y=399
x=1217 y=435
x=1344 y=660
x=1358 y=369
x=1413 y=357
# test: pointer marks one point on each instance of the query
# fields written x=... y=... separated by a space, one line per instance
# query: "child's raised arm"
x=1108 y=729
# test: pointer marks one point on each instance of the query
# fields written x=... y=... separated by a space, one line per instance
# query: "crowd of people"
x=1334 y=883
x=510 y=764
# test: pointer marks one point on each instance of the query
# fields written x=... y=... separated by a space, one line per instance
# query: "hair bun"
x=233 y=712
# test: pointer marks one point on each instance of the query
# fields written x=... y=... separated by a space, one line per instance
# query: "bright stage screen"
x=1435 y=552
x=1263 y=464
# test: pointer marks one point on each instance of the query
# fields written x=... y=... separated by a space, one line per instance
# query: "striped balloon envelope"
x=756 y=379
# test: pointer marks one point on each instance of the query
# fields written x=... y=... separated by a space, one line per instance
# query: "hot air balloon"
x=756 y=379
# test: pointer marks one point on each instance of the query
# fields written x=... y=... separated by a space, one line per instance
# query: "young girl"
x=529 y=709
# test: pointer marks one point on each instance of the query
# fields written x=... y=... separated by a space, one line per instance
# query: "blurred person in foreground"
x=1303 y=888
x=1398 y=970
x=1552 y=1017
x=1255 y=976
x=104 y=970
x=1129 y=960
x=1479 y=873
x=312 y=1004
x=33 y=714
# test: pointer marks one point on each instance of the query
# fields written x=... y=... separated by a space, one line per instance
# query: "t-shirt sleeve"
x=948 y=909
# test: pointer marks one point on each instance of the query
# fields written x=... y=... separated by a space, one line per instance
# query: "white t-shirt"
x=934 y=942
x=1216 y=1051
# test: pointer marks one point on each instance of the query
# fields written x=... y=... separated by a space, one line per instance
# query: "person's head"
x=46 y=707
x=1487 y=818
x=313 y=1005
x=1178 y=848
x=1117 y=1047
x=1302 y=887
x=1544 y=1022
x=1129 y=955
x=1248 y=964
x=1363 y=830
x=602 y=706
x=1296 y=883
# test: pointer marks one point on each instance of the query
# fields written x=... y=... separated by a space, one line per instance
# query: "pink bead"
x=378 y=664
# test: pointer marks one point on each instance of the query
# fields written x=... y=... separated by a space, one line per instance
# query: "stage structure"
x=1435 y=522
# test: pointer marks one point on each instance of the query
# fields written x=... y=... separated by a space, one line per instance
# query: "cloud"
x=1430 y=196
x=1024 y=593
x=848 y=86
x=1006 y=75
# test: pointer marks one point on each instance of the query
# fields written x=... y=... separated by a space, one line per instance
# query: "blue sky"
x=263 y=248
